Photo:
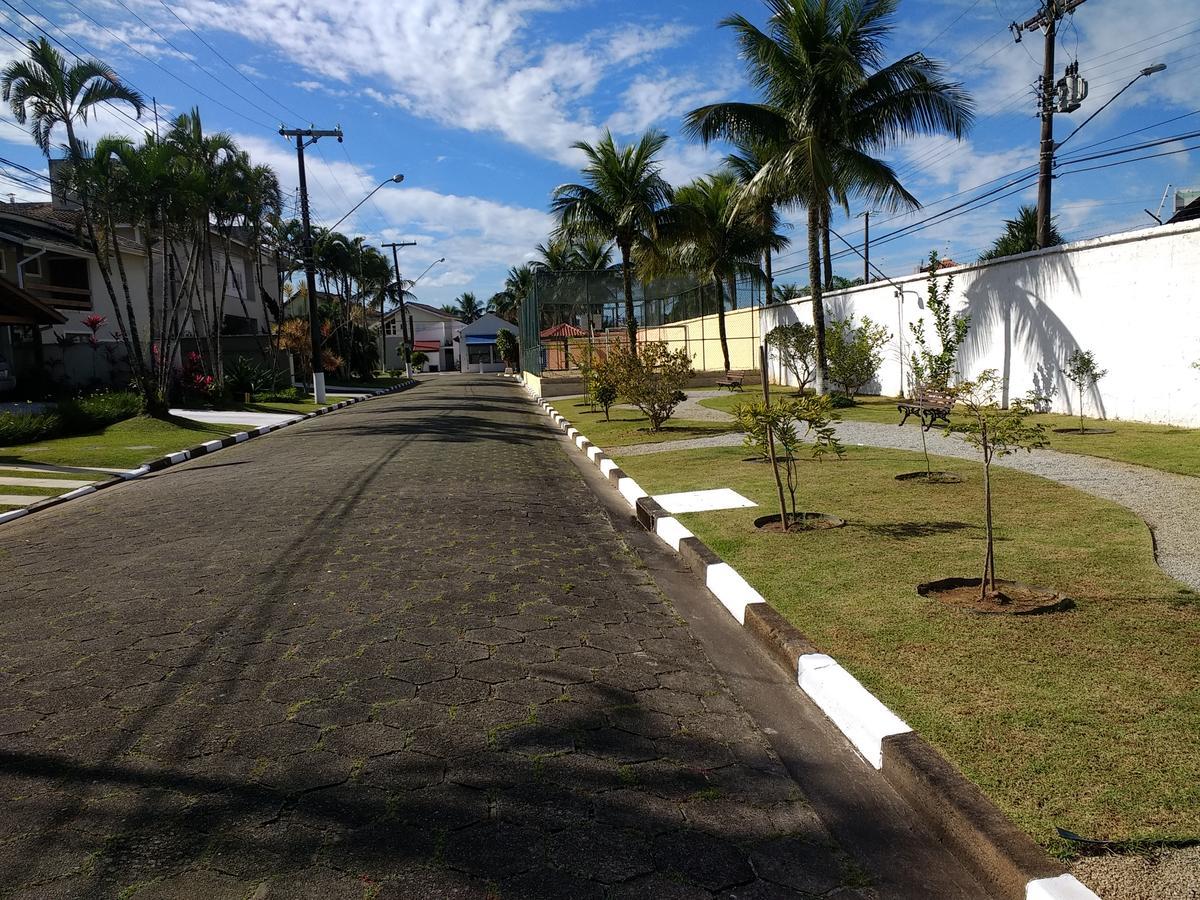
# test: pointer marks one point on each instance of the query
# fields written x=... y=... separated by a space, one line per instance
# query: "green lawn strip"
x=126 y=444
x=1085 y=720
x=626 y=427
x=1165 y=447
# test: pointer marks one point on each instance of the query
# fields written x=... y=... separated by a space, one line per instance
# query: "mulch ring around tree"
x=1085 y=431
x=801 y=521
x=931 y=477
x=1012 y=598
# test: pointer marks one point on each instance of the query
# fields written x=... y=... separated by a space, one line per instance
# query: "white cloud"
x=475 y=64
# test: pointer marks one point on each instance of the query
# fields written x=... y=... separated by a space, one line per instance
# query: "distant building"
x=432 y=331
x=477 y=344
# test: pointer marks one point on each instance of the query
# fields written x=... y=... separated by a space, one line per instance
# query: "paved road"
x=398 y=651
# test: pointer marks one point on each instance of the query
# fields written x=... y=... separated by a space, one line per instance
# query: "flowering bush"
x=193 y=379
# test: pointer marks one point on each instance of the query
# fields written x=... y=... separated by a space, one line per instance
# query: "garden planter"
x=801 y=521
x=1085 y=431
x=931 y=477
x=1012 y=597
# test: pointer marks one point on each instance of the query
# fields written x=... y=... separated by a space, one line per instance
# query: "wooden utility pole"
x=310 y=268
x=1047 y=20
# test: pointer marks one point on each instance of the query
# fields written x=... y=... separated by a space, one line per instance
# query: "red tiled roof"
x=562 y=330
x=427 y=345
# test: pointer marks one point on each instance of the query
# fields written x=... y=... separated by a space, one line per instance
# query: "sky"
x=477 y=104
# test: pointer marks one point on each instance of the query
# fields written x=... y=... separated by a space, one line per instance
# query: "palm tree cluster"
x=829 y=107
x=182 y=201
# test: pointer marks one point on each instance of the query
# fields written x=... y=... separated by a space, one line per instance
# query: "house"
x=432 y=331
x=54 y=293
x=477 y=344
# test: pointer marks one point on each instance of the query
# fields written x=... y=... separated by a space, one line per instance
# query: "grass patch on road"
x=1085 y=719
x=1164 y=447
x=125 y=445
x=627 y=427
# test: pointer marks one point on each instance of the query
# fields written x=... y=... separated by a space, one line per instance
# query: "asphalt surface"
x=399 y=651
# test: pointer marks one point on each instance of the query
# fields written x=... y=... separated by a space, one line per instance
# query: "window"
x=34 y=267
x=391 y=328
x=480 y=353
x=3 y=262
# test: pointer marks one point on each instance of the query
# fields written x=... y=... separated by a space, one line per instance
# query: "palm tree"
x=556 y=255
x=829 y=107
x=467 y=307
x=1020 y=235
x=745 y=163
x=518 y=286
x=591 y=254
x=621 y=199
x=715 y=240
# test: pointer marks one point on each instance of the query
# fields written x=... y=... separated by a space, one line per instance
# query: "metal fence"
x=569 y=313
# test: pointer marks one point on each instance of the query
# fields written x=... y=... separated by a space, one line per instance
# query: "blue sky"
x=478 y=101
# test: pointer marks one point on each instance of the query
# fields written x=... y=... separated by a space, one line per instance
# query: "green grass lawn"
x=1157 y=446
x=1085 y=719
x=629 y=426
x=125 y=445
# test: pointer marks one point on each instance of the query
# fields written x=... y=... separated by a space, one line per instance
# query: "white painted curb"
x=671 y=532
x=731 y=589
x=1064 y=887
x=855 y=710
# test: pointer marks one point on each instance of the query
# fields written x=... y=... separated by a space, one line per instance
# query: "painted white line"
x=851 y=707
x=671 y=532
x=212 y=446
x=606 y=466
x=176 y=458
x=702 y=501
x=731 y=589
x=630 y=490
x=80 y=492
x=593 y=451
x=1064 y=887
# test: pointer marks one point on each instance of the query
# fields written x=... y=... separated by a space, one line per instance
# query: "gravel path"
x=1168 y=503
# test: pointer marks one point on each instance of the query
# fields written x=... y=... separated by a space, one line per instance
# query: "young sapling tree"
x=995 y=432
x=796 y=345
x=1081 y=370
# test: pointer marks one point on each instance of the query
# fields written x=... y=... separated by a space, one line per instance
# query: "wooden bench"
x=928 y=404
x=733 y=381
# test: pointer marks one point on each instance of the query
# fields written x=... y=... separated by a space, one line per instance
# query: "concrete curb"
x=174 y=459
x=989 y=844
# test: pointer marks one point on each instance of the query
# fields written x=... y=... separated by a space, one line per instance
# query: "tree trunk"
x=825 y=255
x=989 y=563
x=721 y=322
x=630 y=320
x=814 y=286
x=770 y=286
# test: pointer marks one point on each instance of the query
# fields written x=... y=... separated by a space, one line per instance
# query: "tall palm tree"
x=518 y=284
x=591 y=254
x=716 y=240
x=556 y=255
x=744 y=163
x=830 y=106
x=467 y=307
x=621 y=198
x=1020 y=235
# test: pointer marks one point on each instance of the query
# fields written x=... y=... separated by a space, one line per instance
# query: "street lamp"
x=1145 y=73
x=395 y=179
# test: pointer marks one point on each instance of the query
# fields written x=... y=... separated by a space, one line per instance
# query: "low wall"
x=701 y=338
x=1128 y=298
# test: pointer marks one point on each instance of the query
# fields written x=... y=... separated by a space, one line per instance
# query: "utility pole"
x=310 y=268
x=867 y=247
x=396 y=245
x=1047 y=20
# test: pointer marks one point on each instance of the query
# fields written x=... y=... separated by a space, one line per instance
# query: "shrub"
x=796 y=345
x=853 y=352
x=284 y=395
x=22 y=428
x=244 y=376
x=601 y=377
x=419 y=358
x=653 y=381
x=937 y=370
x=507 y=347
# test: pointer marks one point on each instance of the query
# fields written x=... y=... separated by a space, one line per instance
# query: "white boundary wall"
x=1133 y=299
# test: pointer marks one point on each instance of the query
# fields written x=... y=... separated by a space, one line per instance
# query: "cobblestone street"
x=398 y=651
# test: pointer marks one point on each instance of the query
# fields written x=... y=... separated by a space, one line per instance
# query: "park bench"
x=929 y=404
x=732 y=380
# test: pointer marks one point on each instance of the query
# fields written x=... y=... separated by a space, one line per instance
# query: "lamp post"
x=395 y=179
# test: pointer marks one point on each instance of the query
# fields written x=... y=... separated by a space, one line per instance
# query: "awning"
x=19 y=307
x=481 y=339
x=427 y=345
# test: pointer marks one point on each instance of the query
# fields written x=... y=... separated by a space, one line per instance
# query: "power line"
x=221 y=57
x=167 y=71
